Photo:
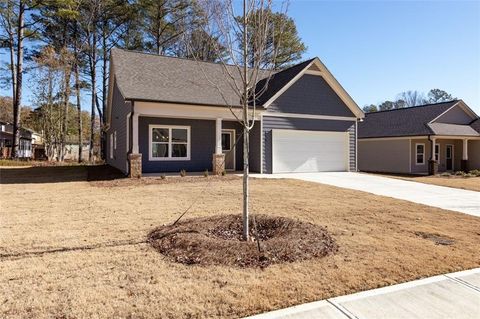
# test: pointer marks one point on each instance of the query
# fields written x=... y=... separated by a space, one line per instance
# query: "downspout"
x=130 y=133
x=432 y=164
x=130 y=136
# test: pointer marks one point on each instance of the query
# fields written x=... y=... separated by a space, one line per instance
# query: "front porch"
x=438 y=154
x=195 y=141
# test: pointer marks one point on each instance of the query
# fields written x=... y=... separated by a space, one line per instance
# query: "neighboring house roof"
x=7 y=129
x=150 y=77
x=412 y=121
x=476 y=125
x=452 y=129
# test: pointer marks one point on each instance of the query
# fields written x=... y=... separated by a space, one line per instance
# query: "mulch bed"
x=218 y=240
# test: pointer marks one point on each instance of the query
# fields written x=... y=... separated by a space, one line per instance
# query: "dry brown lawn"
x=469 y=183
x=75 y=249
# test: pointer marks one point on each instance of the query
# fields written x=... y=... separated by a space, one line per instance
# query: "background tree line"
x=64 y=45
x=409 y=99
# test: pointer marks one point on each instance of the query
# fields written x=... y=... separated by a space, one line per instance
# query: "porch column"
x=432 y=163
x=464 y=163
x=218 y=136
x=218 y=161
x=135 y=149
x=135 y=158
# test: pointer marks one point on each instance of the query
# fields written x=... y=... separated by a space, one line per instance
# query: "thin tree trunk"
x=79 y=110
x=12 y=68
x=65 y=111
x=11 y=47
x=93 y=75
x=18 y=93
x=104 y=90
x=245 y=128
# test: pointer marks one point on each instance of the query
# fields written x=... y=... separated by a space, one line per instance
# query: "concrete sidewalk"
x=455 y=295
x=459 y=200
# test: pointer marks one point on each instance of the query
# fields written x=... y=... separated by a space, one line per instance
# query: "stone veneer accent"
x=135 y=169
x=218 y=164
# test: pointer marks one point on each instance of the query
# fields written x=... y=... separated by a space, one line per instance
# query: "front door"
x=228 y=141
x=449 y=157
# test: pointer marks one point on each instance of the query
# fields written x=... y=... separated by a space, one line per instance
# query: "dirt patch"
x=218 y=240
x=436 y=238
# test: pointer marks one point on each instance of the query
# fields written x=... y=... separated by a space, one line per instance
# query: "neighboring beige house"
x=424 y=139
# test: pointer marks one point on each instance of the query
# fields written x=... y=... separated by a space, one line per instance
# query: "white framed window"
x=419 y=153
x=437 y=153
x=169 y=143
x=111 y=145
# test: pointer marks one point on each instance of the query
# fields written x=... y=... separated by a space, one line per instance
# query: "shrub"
x=469 y=175
x=205 y=174
x=183 y=173
x=446 y=174
x=460 y=173
x=163 y=176
x=475 y=172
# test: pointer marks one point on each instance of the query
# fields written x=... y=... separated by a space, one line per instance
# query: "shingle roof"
x=279 y=80
x=476 y=125
x=452 y=129
x=408 y=121
x=143 y=76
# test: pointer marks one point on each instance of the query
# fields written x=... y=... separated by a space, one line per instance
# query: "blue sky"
x=377 y=49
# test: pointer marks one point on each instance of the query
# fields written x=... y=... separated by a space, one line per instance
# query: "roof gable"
x=310 y=94
x=316 y=67
x=459 y=113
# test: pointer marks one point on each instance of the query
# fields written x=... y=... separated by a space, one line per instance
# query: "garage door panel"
x=309 y=151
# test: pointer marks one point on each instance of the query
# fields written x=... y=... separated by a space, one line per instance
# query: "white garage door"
x=309 y=151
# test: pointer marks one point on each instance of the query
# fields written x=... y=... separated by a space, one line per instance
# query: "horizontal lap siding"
x=255 y=148
x=272 y=122
x=390 y=156
x=118 y=122
x=202 y=147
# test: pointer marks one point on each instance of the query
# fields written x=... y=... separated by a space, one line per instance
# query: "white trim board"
x=311 y=116
x=187 y=111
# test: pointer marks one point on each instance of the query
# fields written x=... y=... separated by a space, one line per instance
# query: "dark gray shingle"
x=143 y=76
x=409 y=121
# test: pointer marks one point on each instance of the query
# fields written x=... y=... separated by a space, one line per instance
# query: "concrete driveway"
x=459 y=200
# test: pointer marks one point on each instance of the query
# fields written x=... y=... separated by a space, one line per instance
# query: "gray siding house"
x=424 y=139
x=166 y=114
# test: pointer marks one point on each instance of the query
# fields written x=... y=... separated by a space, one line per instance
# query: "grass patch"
x=47 y=218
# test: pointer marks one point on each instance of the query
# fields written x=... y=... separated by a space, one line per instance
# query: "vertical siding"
x=271 y=122
x=118 y=123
